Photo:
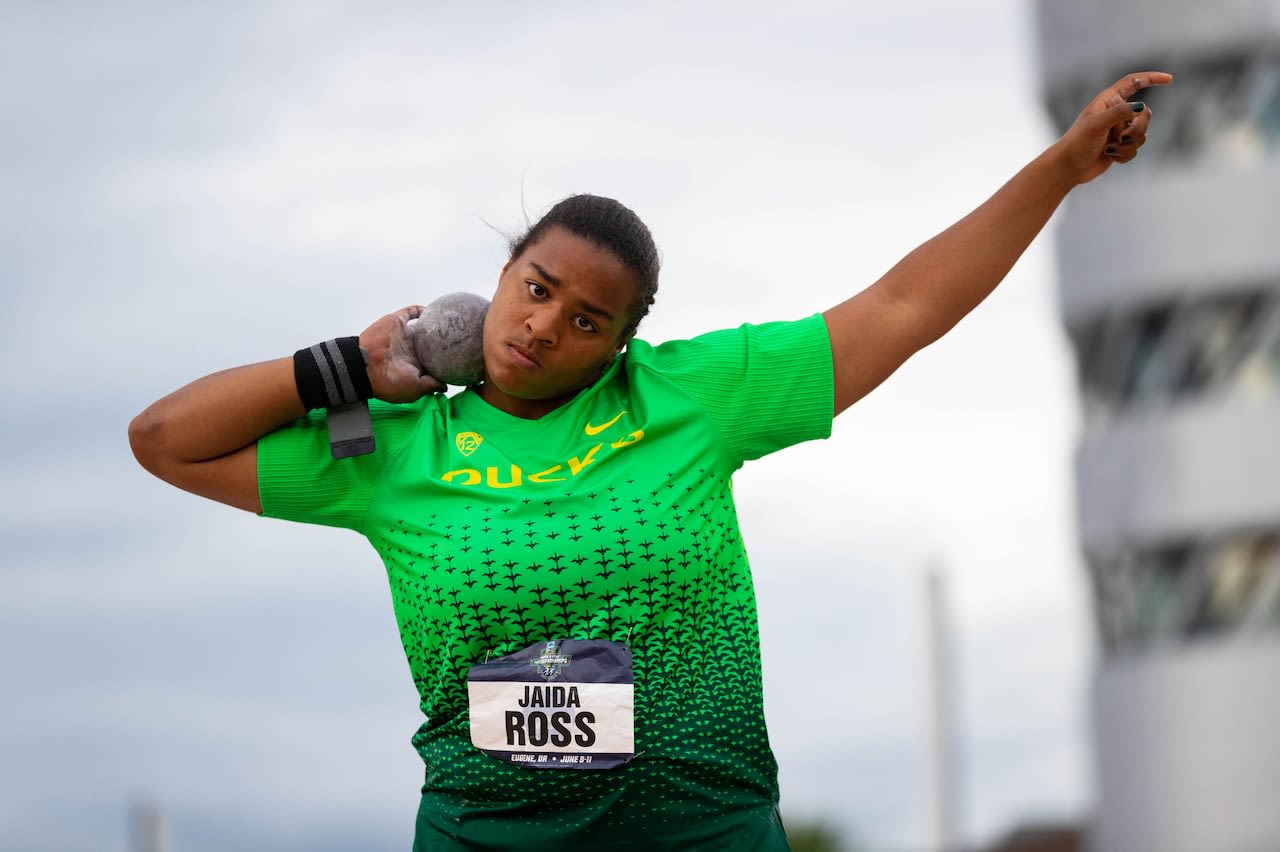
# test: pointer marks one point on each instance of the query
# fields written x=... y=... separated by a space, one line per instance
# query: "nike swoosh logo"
x=596 y=430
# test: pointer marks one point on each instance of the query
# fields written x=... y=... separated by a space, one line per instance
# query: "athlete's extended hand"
x=1110 y=129
x=393 y=367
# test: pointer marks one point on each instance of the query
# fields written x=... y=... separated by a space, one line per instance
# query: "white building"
x=1170 y=291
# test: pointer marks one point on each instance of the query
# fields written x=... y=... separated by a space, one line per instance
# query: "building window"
x=1259 y=372
x=1158 y=596
x=1221 y=344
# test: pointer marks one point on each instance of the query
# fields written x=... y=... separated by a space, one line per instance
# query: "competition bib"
x=566 y=704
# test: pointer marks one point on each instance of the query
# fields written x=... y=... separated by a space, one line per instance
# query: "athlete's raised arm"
x=933 y=287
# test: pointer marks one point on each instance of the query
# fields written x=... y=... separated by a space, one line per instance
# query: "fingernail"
x=1125 y=140
x=1138 y=106
x=1111 y=150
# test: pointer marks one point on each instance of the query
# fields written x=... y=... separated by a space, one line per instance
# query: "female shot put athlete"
x=560 y=539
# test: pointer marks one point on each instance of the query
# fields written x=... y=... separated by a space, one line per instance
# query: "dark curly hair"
x=612 y=226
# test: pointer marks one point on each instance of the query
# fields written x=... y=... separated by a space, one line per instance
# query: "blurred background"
x=1170 y=293
x=187 y=187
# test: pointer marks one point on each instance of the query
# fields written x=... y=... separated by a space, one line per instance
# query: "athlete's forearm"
x=949 y=275
x=933 y=287
x=216 y=415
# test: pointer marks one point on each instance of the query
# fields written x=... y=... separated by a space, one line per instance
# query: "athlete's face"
x=556 y=321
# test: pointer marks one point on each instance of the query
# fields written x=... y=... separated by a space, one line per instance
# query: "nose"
x=543 y=324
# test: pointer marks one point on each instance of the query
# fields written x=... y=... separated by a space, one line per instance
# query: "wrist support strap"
x=332 y=375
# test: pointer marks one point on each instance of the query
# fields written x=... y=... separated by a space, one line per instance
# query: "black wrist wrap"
x=331 y=374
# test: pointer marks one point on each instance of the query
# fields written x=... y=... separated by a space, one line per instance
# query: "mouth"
x=522 y=356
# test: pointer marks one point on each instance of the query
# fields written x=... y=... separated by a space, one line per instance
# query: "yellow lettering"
x=545 y=475
x=555 y=473
x=576 y=465
x=493 y=482
x=630 y=439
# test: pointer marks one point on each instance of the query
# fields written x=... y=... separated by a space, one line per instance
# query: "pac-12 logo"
x=551 y=663
x=468 y=442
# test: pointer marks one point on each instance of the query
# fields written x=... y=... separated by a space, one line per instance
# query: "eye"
x=583 y=323
x=536 y=290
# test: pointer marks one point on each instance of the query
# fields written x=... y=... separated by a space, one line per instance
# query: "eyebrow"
x=555 y=282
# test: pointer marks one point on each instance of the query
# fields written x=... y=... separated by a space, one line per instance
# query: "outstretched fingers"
x=1129 y=85
x=1112 y=127
x=1128 y=131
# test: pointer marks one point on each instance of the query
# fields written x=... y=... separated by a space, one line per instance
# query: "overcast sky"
x=188 y=187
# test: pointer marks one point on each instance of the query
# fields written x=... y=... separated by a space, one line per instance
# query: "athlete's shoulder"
x=706 y=349
x=677 y=350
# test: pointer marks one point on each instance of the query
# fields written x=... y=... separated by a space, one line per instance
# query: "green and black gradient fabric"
x=611 y=518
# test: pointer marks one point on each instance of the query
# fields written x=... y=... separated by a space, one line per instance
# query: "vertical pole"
x=941 y=764
x=147 y=827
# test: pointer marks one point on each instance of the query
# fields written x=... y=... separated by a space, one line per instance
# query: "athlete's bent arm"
x=203 y=437
x=933 y=287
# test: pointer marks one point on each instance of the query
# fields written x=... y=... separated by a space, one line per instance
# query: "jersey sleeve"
x=299 y=480
x=765 y=386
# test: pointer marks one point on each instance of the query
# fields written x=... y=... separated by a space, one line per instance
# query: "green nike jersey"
x=610 y=518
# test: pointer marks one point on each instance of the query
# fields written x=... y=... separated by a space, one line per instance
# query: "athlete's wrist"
x=332 y=374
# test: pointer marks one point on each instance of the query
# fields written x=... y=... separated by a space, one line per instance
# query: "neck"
x=527 y=409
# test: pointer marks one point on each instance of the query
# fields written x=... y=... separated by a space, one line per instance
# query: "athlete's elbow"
x=148 y=438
